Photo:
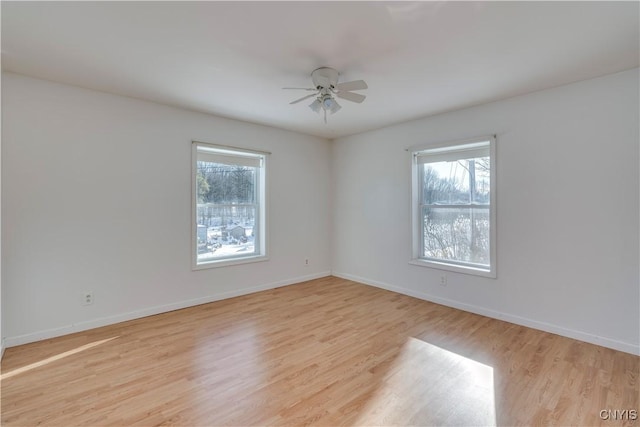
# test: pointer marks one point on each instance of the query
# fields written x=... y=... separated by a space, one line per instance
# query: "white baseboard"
x=535 y=324
x=150 y=311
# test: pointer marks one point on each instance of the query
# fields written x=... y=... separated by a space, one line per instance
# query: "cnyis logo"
x=619 y=414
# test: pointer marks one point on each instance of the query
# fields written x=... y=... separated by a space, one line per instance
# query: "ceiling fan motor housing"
x=324 y=78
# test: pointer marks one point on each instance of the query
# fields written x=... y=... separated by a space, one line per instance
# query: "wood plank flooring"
x=324 y=352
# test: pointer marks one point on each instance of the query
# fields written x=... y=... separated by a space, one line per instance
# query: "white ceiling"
x=232 y=58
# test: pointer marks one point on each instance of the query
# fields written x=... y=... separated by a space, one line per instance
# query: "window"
x=229 y=215
x=453 y=210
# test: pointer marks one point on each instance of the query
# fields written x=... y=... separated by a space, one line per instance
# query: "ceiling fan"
x=326 y=86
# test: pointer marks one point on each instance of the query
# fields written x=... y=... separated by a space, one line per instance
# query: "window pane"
x=459 y=182
x=226 y=231
x=226 y=210
x=221 y=183
x=456 y=234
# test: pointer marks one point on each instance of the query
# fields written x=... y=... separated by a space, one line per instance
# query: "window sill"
x=229 y=262
x=455 y=268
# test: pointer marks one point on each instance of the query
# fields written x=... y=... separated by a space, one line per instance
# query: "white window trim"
x=416 y=226
x=264 y=210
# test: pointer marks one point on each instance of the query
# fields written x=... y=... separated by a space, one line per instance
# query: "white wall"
x=97 y=198
x=1 y=334
x=567 y=200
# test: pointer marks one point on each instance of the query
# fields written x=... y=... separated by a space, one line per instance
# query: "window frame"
x=262 y=196
x=416 y=207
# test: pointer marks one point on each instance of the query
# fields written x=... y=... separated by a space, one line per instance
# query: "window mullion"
x=465 y=206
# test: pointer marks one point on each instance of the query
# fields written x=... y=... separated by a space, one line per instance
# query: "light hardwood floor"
x=324 y=352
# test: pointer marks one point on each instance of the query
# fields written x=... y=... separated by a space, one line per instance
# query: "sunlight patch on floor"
x=53 y=358
x=428 y=385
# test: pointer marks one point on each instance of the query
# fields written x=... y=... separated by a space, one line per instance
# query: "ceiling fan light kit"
x=325 y=82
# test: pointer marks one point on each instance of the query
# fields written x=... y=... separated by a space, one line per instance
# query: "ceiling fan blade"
x=303 y=98
x=351 y=96
x=354 y=85
x=300 y=88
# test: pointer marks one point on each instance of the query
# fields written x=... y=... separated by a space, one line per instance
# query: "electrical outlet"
x=306 y=262
x=443 y=280
x=87 y=298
